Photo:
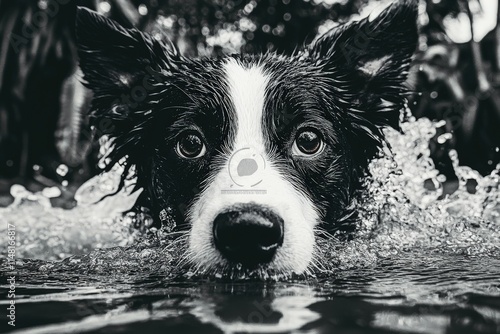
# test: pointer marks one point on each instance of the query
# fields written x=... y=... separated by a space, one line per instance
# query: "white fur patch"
x=250 y=176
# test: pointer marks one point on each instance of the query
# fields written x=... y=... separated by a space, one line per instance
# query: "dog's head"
x=252 y=154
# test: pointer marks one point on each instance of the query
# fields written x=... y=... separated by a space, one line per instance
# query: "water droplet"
x=43 y=4
x=52 y=192
x=143 y=9
x=444 y=138
x=104 y=7
x=62 y=170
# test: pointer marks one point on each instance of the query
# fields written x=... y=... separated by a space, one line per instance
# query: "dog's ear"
x=367 y=63
x=126 y=70
x=119 y=64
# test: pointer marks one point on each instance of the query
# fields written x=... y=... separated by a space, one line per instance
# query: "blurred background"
x=45 y=139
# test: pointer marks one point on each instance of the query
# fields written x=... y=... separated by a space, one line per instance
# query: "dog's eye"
x=307 y=143
x=190 y=146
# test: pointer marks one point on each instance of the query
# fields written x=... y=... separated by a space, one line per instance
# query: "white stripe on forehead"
x=247 y=90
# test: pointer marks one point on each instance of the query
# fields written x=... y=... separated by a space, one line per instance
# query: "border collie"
x=254 y=156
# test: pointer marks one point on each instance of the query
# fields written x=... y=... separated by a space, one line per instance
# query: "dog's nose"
x=248 y=234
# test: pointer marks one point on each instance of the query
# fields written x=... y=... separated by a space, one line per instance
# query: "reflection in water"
x=438 y=294
x=257 y=308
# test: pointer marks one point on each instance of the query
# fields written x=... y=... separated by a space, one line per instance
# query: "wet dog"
x=254 y=155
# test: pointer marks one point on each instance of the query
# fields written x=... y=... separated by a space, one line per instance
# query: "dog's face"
x=252 y=154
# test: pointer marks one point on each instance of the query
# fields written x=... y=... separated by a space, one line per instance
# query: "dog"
x=254 y=156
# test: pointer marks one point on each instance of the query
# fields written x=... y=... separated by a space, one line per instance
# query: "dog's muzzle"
x=248 y=234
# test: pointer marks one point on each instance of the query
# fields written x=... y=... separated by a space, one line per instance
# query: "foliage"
x=458 y=82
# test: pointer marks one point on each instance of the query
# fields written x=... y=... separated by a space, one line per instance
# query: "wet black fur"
x=146 y=94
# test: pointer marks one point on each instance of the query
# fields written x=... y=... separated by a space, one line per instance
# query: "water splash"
x=399 y=216
x=49 y=233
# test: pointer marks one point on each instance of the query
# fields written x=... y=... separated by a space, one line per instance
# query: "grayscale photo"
x=250 y=166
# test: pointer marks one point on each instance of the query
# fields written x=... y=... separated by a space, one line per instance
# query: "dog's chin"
x=287 y=263
x=226 y=270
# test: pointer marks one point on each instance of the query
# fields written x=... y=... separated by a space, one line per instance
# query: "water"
x=422 y=262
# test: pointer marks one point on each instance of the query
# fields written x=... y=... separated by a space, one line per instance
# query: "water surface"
x=421 y=262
